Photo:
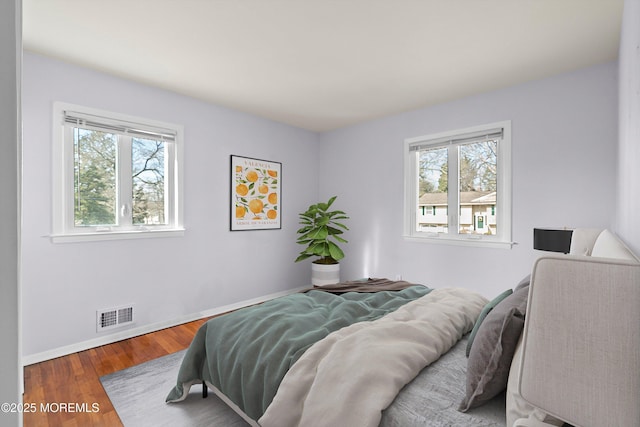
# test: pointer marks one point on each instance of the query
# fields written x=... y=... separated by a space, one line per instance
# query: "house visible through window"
x=469 y=169
x=114 y=175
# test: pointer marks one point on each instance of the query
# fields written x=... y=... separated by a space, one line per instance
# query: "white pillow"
x=583 y=239
x=608 y=245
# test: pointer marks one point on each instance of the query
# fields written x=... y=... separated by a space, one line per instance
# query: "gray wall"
x=628 y=205
x=564 y=133
x=166 y=278
x=565 y=169
x=10 y=50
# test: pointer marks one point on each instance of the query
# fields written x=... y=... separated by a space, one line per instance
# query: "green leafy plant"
x=320 y=232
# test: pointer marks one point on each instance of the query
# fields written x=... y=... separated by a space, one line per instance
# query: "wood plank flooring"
x=75 y=378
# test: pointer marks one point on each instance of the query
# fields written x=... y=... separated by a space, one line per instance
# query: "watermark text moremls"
x=50 y=407
x=64 y=407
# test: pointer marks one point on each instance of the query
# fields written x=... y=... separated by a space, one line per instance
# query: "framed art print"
x=255 y=194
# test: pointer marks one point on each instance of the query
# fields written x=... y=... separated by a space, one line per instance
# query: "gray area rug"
x=138 y=394
x=431 y=399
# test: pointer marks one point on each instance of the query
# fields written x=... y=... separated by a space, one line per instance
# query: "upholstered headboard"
x=579 y=358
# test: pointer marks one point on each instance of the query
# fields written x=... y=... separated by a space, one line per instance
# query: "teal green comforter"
x=246 y=353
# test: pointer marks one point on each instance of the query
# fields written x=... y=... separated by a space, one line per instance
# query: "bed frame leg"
x=205 y=390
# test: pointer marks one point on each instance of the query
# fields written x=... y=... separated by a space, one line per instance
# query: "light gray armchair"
x=581 y=343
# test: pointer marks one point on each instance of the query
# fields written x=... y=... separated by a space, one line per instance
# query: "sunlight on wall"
x=371 y=251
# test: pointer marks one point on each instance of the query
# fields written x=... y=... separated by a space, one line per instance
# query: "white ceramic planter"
x=324 y=274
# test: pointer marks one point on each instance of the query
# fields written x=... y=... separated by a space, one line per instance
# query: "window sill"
x=477 y=242
x=116 y=235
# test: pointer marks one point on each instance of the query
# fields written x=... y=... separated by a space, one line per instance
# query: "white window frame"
x=502 y=239
x=63 y=227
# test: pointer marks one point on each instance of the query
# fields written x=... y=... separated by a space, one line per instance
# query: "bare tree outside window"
x=95 y=172
x=476 y=184
x=478 y=166
x=148 y=166
x=478 y=187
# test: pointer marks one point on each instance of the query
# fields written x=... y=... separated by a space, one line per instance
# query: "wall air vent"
x=112 y=318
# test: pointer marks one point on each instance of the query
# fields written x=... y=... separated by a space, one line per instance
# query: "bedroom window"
x=469 y=169
x=115 y=176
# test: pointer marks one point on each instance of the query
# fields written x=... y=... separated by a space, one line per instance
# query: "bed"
x=367 y=353
x=364 y=335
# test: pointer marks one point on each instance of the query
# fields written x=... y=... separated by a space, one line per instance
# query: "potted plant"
x=320 y=233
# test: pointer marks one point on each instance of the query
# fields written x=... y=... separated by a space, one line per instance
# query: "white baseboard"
x=134 y=332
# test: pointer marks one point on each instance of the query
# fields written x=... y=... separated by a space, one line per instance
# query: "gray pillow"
x=493 y=348
x=483 y=315
x=524 y=282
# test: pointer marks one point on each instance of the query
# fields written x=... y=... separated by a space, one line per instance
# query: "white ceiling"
x=325 y=64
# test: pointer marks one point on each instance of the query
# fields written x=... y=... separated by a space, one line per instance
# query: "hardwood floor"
x=75 y=379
